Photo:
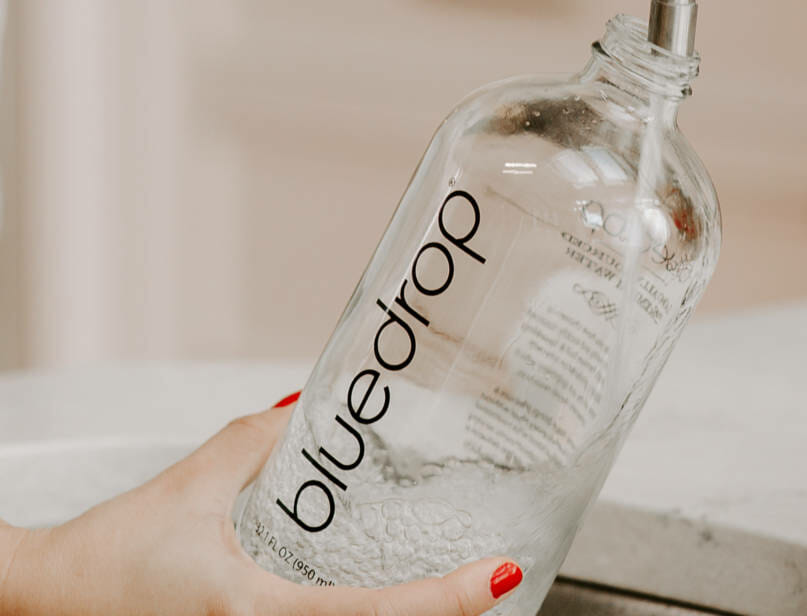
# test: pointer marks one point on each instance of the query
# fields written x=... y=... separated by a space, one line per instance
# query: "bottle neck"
x=652 y=78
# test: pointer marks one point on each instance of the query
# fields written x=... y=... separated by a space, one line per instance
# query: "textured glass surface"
x=550 y=247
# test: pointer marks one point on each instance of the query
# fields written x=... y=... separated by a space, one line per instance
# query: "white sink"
x=70 y=440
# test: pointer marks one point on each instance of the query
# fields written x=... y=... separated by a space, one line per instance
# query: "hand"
x=169 y=547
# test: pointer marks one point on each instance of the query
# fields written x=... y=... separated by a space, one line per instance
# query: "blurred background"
x=207 y=180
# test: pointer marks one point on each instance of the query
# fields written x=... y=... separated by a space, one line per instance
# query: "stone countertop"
x=707 y=503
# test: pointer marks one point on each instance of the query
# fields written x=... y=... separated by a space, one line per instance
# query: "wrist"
x=16 y=559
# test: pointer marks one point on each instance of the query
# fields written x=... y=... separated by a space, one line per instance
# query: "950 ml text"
x=287 y=556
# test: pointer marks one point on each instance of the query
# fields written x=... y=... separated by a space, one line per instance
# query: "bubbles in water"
x=393 y=533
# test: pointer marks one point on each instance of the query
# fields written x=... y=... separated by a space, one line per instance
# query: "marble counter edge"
x=666 y=554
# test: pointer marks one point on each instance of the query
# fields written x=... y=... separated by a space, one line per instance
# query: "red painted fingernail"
x=505 y=579
x=288 y=400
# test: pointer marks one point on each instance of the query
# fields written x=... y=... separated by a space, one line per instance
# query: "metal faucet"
x=672 y=25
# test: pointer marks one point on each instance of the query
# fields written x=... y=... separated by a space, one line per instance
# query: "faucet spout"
x=672 y=25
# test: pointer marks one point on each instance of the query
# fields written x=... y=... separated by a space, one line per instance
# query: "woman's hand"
x=168 y=547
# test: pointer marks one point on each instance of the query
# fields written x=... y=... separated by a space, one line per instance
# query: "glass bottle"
x=550 y=247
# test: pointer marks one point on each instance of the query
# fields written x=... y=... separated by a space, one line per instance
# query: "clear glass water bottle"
x=550 y=247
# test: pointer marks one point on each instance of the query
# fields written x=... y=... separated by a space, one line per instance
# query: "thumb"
x=232 y=458
x=470 y=590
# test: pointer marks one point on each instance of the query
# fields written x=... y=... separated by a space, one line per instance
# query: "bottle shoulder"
x=573 y=142
x=689 y=170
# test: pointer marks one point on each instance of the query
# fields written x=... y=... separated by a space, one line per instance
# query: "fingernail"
x=288 y=400
x=505 y=579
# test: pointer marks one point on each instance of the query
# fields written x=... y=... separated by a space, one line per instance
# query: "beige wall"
x=10 y=296
x=208 y=179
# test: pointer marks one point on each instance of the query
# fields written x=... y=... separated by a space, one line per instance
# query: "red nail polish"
x=288 y=400
x=505 y=579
